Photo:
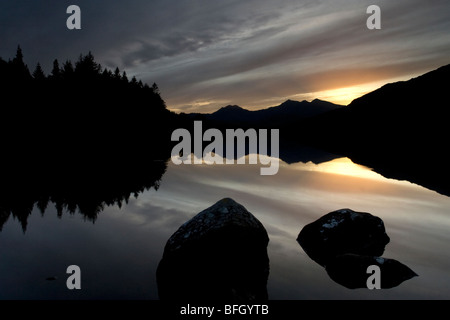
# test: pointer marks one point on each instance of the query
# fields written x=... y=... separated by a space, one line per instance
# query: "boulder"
x=218 y=255
x=350 y=271
x=343 y=231
x=346 y=243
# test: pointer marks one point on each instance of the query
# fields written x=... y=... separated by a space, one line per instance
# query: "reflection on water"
x=85 y=189
x=347 y=244
x=356 y=271
x=119 y=255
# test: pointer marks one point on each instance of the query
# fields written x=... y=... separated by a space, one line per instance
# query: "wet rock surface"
x=346 y=243
x=343 y=231
x=220 y=254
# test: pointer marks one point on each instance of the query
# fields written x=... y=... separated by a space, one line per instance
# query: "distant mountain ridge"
x=402 y=115
x=288 y=111
x=400 y=130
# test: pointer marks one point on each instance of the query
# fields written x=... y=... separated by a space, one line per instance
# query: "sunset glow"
x=255 y=54
x=344 y=167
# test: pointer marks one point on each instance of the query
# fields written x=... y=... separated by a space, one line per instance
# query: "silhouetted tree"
x=38 y=73
x=124 y=77
x=87 y=67
x=155 y=88
x=107 y=74
x=56 y=71
x=60 y=139
x=68 y=70
x=117 y=74
x=134 y=82
x=20 y=70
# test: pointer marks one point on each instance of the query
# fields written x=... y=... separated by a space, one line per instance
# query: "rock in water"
x=350 y=270
x=346 y=243
x=220 y=254
x=343 y=231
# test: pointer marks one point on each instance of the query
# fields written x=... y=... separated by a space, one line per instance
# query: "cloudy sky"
x=206 y=54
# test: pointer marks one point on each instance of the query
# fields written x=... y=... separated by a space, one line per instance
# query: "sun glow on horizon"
x=342 y=96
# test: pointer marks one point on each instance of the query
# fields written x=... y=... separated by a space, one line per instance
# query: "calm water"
x=119 y=253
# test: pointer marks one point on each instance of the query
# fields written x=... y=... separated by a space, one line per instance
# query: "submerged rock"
x=220 y=254
x=350 y=270
x=343 y=231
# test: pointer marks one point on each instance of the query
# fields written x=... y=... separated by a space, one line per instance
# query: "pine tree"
x=38 y=73
x=67 y=69
x=86 y=66
x=134 y=82
x=107 y=74
x=56 y=71
x=117 y=74
x=155 y=88
x=18 y=59
x=124 y=77
x=20 y=69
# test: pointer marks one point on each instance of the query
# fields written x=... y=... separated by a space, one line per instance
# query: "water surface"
x=119 y=253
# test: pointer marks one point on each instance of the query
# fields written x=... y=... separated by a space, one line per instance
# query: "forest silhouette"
x=85 y=136
x=81 y=137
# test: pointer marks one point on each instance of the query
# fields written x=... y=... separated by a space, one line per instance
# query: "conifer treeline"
x=15 y=71
x=81 y=137
x=80 y=104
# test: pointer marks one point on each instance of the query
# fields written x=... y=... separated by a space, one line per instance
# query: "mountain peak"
x=231 y=107
x=285 y=112
x=290 y=103
x=230 y=113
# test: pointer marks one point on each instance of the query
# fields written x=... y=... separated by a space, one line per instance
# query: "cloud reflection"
x=301 y=193
x=132 y=239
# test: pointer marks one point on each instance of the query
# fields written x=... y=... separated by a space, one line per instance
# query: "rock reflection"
x=350 y=271
x=346 y=243
x=219 y=255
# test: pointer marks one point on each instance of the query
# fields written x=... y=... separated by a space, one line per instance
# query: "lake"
x=118 y=253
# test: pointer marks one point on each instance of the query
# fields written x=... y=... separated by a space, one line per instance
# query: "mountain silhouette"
x=272 y=117
x=399 y=130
